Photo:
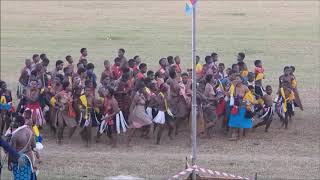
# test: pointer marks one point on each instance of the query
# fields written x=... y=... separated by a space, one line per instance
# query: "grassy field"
x=278 y=33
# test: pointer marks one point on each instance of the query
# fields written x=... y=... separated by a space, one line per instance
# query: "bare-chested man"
x=289 y=77
x=24 y=78
x=5 y=106
x=267 y=112
x=285 y=102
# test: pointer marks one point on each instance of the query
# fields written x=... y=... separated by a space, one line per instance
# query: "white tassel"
x=39 y=146
x=292 y=107
x=160 y=118
x=263 y=92
x=265 y=114
x=123 y=122
x=118 y=123
x=170 y=113
x=87 y=122
x=96 y=119
x=80 y=118
x=103 y=126
x=40 y=118
x=231 y=101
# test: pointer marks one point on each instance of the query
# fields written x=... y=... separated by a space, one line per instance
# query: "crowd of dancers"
x=129 y=96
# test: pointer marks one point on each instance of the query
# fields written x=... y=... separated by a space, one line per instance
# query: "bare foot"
x=233 y=139
x=129 y=145
x=59 y=142
x=113 y=146
x=170 y=137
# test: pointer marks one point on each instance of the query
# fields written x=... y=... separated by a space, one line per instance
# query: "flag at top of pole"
x=189 y=6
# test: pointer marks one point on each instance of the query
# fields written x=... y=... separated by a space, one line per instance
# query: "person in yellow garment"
x=284 y=103
x=6 y=106
x=297 y=100
x=88 y=118
x=240 y=97
x=198 y=68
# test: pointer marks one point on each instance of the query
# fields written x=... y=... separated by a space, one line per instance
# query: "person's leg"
x=89 y=130
x=171 y=125
x=155 y=126
x=178 y=121
x=52 y=117
x=61 y=126
x=159 y=133
x=2 y=121
x=72 y=130
x=238 y=132
x=98 y=138
x=130 y=135
x=233 y=134
x=83 y=134
x=260 y=124
x=7 y=120
x=60 y=134
x=286 y=120
x=112 y=134
x=150 y=129
x=268 y=123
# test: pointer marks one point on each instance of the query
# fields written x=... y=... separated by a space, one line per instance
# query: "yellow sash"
x=35 y=130
x=84 y=102
x=198 y=68
x=148 y=90
x=244 y=73
x=53 y=101
x=165 y=101
x=259 y=76
x=231 y=90
x=291 y=96
x=249 y=97
x=294 y=83
x=3 y=100
x=260 y=101
x=284 y=107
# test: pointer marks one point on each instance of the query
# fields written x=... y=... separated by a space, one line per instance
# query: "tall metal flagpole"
x=194 y=91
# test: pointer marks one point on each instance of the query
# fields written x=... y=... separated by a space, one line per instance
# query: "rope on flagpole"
x=194 y=93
